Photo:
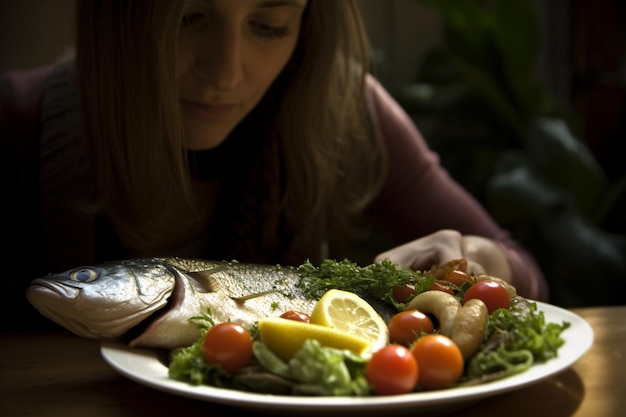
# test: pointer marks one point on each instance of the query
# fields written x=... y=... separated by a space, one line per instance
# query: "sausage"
x=440 y=304
x=468 y=328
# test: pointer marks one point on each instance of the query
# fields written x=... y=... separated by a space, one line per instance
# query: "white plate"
x=143 y=366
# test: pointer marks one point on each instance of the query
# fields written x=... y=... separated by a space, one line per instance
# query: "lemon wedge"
x=347 y=312
x=285 y=337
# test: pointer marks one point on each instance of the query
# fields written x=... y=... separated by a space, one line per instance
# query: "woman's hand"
x=483 y=255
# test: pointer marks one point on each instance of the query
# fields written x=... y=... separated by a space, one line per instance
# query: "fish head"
x=103 y=301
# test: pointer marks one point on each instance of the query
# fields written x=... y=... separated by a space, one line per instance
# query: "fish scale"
x=242 y=279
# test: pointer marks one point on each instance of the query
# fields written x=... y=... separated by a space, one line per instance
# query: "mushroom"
x=468 y=328
x=440 y=304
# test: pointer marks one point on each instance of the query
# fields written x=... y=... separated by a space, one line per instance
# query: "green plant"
x=482 y=103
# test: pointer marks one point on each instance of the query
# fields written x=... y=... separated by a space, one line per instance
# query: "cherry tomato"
x=493 y=295
x=441 y=287
x=392 y=370
x=296 y=316
x=229 y=345
x=458 y=278
x=406 y=326
x=402 y=294
x=439 y=360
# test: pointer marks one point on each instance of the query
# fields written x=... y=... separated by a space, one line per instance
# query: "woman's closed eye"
x=192 y=19
x=269 y=31
x=196 y=20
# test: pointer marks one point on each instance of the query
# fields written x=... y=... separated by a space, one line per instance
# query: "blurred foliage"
x=481 y=101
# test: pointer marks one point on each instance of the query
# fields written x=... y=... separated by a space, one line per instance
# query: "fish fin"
x=245 y=298
x=204 y=281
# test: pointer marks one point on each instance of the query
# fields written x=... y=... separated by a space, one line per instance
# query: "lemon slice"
x=285 y=337
x=349 y=313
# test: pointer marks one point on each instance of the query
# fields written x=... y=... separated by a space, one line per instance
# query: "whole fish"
x=148 y=302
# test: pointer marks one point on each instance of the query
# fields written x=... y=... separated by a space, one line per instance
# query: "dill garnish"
x=376 y=280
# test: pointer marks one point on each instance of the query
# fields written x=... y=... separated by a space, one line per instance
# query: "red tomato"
x=296 y=316
x=392 y=370
x=441 y=287
x=402 y=294
x=458 y=278
x=493 y=295
x=406 y=326
x=439 y=360
x=229 y=345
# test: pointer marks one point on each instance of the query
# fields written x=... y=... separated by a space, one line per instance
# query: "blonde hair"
x=133 y=134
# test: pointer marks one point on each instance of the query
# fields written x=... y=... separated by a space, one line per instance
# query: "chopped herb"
x=376 y=280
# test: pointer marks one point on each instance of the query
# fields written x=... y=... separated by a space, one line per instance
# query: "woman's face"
x=229 y=53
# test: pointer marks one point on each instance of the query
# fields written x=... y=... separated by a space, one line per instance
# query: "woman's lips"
x=206 y=111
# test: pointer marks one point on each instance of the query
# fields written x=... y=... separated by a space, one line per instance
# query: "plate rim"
x=143 y=366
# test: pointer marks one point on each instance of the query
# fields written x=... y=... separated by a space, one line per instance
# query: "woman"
x=228 y=129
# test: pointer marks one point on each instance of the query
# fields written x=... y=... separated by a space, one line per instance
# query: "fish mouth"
x=58 y=303
x=51 y=289
x=64 y=305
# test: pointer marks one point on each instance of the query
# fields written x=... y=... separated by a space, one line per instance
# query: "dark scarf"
x=256 y=229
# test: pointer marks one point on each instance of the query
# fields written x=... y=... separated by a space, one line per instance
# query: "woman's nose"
x=220 y=59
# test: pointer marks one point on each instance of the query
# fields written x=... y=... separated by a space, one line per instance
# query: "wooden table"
x=60 y=374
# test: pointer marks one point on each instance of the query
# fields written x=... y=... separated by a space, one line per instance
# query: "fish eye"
x=84 y=275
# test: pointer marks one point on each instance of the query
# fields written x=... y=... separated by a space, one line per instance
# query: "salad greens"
x=314 y=370
x=318 y=370
x=515 y=339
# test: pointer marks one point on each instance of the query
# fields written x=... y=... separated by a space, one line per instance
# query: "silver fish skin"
x=104 y=302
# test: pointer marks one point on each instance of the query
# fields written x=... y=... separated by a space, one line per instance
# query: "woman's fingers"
x=444 y=246
x=434 y=249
